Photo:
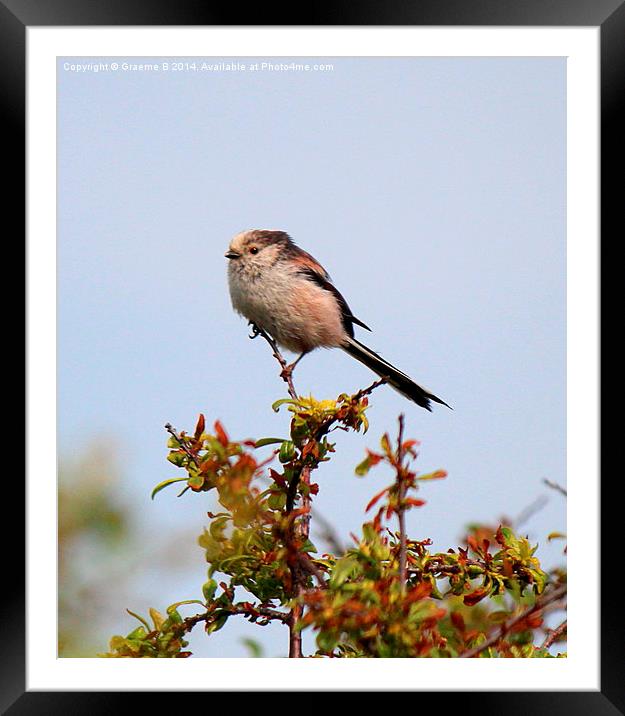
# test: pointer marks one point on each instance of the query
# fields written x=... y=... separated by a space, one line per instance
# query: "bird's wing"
x=313 y=273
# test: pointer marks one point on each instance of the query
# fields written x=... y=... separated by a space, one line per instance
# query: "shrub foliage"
x=387 y=595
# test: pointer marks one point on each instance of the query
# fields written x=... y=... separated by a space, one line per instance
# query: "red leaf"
x=277 y=478
x=458 y=621
x=422 y=590
x=375 y=499
x=472 y=599
x=410 y=443
x=414 y=502
x=199 y=428
x=221 y=434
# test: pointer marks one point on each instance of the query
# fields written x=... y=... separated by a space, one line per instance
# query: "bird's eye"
x=254 y=250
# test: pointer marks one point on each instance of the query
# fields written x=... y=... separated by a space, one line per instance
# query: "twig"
x=295 y=635
x=539 y=605
x=401 y=507
x=306 y=501
x=172 y=431
x=529 y=511
x=554 y=635
x=555 y=486
x=329 y=534
x=244 y=609
x=367 y=391
x=312 y=569
x=434 y=567
x=286 y=374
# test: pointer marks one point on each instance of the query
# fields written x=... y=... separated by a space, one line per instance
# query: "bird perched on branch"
x=282 y=290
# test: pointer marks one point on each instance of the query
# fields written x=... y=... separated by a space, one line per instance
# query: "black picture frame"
x=17 y=15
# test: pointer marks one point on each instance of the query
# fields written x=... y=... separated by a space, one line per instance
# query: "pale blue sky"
x=432 y=190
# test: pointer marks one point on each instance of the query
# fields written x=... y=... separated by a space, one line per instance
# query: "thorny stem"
x=540 y=604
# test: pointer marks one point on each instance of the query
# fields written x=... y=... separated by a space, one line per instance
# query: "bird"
x=285 y=292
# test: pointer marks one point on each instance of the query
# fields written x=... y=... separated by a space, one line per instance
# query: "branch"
x=401 y=508
x=554 y=635
x=367 y=391
x=435 y=567
x=507 y=626
x=329 y=534
x=172 y=431
x=247 y=610
x=286 y=374
x=323 y=429
x=312 y=569
x=555 y=486
x=295 y=635
x=303 y=473
x=529 y=511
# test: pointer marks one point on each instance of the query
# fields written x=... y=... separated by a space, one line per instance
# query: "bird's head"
x=257 y=247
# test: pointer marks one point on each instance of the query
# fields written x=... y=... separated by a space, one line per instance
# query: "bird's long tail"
x=398 y=380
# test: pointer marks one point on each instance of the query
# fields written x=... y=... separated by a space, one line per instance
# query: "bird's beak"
x=230 y=254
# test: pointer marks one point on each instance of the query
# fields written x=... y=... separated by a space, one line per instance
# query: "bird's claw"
x=255 y=330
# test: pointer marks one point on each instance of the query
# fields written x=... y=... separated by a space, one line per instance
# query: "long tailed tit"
x=284 y=291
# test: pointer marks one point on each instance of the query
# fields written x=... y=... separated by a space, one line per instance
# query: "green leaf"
x=255 y=649
x=268 y=441
x=507 y=533
x=174 y=607
x=157 y=618
x=556 y=535
x=196 y=481
x=165 y=483
x=177 y=458
x=498 y=616
x=209 y=589
x=276 y=406
x=438 y=475
x=141 y=619
x=287 y=451
x=363 y=468
x=217 y=624
x=343 y=569
x=276 y=501
x=308 y=546
x=138 y=633
x=327 y=641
